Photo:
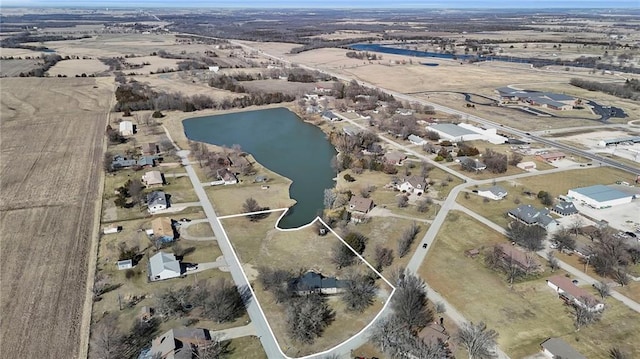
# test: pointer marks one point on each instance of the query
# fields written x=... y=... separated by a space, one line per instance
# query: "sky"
x=429 y=4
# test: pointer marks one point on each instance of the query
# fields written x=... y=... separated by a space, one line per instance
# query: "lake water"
x=283 y=143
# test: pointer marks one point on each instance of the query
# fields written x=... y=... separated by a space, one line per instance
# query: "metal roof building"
x=600 y=196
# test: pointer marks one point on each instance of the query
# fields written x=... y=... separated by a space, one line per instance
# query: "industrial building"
x=465 y=132
x=599 y=196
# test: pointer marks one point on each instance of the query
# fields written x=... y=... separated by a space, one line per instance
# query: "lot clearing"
x=52 y=150
x=525 y=315
x=72 y=68
x=259 y=244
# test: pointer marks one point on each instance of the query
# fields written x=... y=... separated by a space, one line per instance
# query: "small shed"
x=111 y=229
x=125 y=264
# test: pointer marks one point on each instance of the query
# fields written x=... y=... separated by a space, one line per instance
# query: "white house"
x=111 y=229
x=214 y=68
x=153 y=179
x=125 y=264
x=156 y=201
x=227 y=176
x=527 y=166
x=413 y=184
x=126 y=128
x=573 y=294
x=417 y=140
x=163 y=266
x=495 y=193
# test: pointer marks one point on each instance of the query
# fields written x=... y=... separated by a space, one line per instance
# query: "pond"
x=282 y=142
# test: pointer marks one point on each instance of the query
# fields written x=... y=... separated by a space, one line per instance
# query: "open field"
x=72 y=68
x=13 y=68
x=259 y=244
x=247 y=347
x=52 y=149
x=525 y=315
x=559 y=183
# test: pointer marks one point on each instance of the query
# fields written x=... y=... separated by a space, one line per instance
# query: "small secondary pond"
x=283 y=143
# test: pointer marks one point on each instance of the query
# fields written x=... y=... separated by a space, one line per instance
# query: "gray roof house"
x=163 y=266
x=495 y=193
x=472 y=164
x=179 y=343
x=417 y=140
x=530 y=215
x=119 y=161
x=147 y=161
x=157 y=201
x=330 y=116
x=558 y=348
x=312 y=282
x=564 y=208
x=351 y=131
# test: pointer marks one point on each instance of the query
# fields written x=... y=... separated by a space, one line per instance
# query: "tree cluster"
x=48 y=62
x=363 y=55
x=611 y=256
x=529 y=237
x=466 y=150
x=107 y=342
x=630 y=89
x=342 y=256
x=407 y=239
x=251 y=205
x=496 y=162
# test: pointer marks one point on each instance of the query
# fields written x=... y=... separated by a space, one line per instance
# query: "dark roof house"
x=312 y=282
x=558 y=348
x=360 y=204
x=564 y=208
x=530 y=215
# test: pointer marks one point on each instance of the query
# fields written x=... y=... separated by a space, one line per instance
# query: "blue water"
x=282 y=142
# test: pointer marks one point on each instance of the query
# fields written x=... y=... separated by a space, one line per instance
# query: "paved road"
x=633 y=305
x=258 y=319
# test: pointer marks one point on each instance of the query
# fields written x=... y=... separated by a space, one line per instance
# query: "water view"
x=283 y=143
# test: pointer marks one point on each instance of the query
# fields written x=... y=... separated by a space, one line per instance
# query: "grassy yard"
x=180 y=189
x=200 y=230
x=259 y=244
x=496 y=211
x=229 y=199
x=560 y=183
x=525 y=315
x=246 y=347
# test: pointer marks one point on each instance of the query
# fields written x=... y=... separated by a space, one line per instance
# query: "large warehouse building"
x=600 y=196
x=466 y=132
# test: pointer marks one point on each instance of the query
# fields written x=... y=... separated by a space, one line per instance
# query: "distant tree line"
x=17 y=41
x=363 y=55
x=630 y=89
x=49 y=61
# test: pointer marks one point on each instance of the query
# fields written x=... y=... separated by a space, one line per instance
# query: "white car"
x=553 y=245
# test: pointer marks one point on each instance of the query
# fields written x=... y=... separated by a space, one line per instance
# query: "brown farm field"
x=52 y=149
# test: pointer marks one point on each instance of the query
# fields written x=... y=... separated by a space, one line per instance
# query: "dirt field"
x=52 y=145
x=11 y=68
x=72 y=68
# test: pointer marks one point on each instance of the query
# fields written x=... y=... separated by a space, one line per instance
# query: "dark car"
x=424 y=245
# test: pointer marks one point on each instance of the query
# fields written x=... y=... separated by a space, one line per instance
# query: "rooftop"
x=561 y=349
x=452 y=130
x=568 y=287
x=601 y=193
x=360 y=204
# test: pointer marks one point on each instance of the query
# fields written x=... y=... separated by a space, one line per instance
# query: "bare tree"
x=478 y=340
x=359 y=293
x=402 y=201
x=307 y=317
x=172 y=303
x=106 y=339
x=603 y=288
x=553 y=261
x=565 y=240
x=214 y=349
x=395 y=339
x=617 y=353
x=422 y=205
x=584 y=314
x=224 y=303
x=408 y=236
x=341 y=256
x=530 y=237
x=621 y=276
x=410 y=301
x=383 y=257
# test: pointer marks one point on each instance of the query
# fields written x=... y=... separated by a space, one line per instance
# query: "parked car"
x=190 y=267
x=424 y=245
x=185 y=220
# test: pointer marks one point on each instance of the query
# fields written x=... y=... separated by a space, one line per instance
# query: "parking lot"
x=623 y=217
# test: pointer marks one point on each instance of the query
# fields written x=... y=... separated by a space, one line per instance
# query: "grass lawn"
x=496 y=211
x=632 y=290
x=246 y=347
x=260 y=244
x=180 y=189
x=200 y=230
x=229 y=199
x=559 y=183
x=525 y=315
x=385 y=232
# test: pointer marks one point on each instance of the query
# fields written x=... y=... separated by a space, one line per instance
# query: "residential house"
x=125 y=264
x=227 y=176
x=564 y=208
x=572 y=294
x=150 y=149
x=126 y=128
x=551 y=156
x=119 y=161
x=530 y=215
x=147 y=161
x=163 y=266
x=555 y=348
x=153 y=179
x=330 y=116
x=511 y=254
x=157 y=201
x=312 y=282
x=472 y=164
x=413 y=184
x=416 y=140
x=163 y=229
x=111 y=229
x=180 y=343
x=495 y=193
x=351 y=131
x=359 y=207
x=527 y=166
x=394 y=157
